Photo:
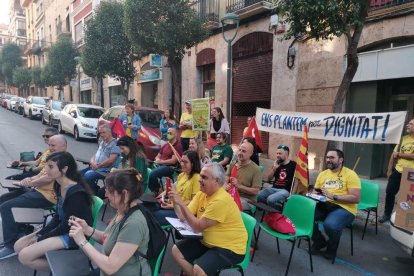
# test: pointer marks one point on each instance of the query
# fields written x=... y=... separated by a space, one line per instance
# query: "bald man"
x=245 y=175
x=37 y=192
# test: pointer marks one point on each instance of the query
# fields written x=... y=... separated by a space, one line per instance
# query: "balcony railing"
x=380 y=4
x=235 y=5
x=208 y=10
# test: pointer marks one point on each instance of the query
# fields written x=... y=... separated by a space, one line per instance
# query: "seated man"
x=221 y=153
x=103 y=160
x=249 y=177
x=342 y=188
x=34 y=167
x=213 y=212
x=283 y=170
x=167 y=159
x=37 y=193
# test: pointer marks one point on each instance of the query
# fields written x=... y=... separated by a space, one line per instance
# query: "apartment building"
x=4 y=39
x=17 y=24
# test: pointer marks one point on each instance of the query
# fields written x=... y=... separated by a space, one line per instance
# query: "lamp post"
x=229 y=19
x=77 y=59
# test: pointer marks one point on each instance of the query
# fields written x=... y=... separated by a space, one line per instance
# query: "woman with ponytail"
x=73 y=199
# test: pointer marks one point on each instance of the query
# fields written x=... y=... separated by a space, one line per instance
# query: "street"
x=375 y=255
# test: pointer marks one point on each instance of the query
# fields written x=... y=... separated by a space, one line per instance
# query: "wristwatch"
x=82 y=244
x=335 y=197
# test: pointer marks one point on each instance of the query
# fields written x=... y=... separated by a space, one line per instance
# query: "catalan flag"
x=302 y=171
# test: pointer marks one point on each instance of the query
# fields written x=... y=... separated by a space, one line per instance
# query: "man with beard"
x=283 y=170
x=221 y=153
x=342 y=188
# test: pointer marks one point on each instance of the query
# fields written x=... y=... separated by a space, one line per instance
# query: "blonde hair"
x=200 y=148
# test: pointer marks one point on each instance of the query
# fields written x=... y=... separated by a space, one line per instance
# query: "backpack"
x=280 y=223
x=157 y=237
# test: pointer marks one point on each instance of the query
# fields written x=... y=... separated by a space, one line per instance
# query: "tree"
x=108 y=50
x=10 y=60
x=37 y=77
x=61 y=63
x=326 y=19
x=22 y=78
x=167 y=28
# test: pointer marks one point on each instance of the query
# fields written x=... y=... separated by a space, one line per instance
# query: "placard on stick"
x=404 y=217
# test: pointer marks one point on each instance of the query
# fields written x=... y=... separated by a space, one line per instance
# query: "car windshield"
x=38 y=100
x=56 y=105
x=14 y=99
x=150 y=119
x=89 y=112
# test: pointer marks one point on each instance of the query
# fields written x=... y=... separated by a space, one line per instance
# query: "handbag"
x=233 y=189
x=280 y=223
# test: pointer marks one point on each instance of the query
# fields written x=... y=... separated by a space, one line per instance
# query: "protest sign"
x=404 y=216
x=373 y=128
x=201 y=113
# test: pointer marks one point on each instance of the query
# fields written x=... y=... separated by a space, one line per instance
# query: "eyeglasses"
x=46 y=136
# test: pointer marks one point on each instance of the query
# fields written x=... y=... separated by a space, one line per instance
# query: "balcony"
x=247 y=8
x=62 y=30
x=384 y=8
x=37 y=48
x=208 y=10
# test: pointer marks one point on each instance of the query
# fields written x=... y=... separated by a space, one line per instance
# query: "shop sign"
x=150 y=75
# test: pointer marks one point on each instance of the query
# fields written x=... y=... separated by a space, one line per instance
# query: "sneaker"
x=384 y=218
x=6 y=252
x=316 y=247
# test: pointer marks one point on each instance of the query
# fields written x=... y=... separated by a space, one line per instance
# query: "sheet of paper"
x=182 y=227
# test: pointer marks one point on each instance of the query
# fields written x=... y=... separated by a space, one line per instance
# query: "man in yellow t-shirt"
x=214 y=213
x=342 y=188
x=404 y=156
x=186 y=126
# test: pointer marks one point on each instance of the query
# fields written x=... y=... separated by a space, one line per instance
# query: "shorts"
x=211 y=260
x=66 y=241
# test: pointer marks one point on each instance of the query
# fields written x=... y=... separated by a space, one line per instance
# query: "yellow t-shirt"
x=229 y=232
x=187 y=133
x=338 y=184
x=187 y=188
x=47 y=189
x=407 y=146
x=128 y=130
x=43 y=158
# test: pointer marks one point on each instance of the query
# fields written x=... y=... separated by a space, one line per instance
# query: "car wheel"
x=43 y=120
x=30 y=115
x=60 y=130
x=76 y=133
x=24 y=113
x=50 y=122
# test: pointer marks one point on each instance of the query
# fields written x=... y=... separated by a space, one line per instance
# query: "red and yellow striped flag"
x=302 y=171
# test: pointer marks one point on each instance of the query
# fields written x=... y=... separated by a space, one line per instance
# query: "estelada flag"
x=117 y=128
x=302 y=171
x=253 y=132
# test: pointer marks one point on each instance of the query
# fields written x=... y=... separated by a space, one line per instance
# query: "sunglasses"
x=46 y=136
x=284 y=147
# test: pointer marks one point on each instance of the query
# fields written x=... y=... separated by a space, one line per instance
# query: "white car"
x=12 y=103
x=403 y=237
x=33 y=107
x=80 y=120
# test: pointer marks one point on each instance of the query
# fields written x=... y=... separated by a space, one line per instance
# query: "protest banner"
x=201 y=113
x=404 y=216
x=373 y=128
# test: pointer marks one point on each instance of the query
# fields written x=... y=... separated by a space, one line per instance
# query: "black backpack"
x=157 y=235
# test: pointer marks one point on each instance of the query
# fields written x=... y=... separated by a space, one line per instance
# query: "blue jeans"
x=272 y=196
x=92 y=176
x=335 y=218
x=22 y=198
x=161 y=171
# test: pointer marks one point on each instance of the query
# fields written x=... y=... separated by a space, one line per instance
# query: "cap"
x=188 y=102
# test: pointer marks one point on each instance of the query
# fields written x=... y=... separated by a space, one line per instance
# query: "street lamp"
x=78 y=60
x=229 y=19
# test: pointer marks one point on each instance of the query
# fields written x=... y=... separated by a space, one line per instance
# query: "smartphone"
x=319 y=191
x=129 y=124
x=167 y=187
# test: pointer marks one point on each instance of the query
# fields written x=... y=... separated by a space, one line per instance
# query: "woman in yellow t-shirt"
x=187 y=186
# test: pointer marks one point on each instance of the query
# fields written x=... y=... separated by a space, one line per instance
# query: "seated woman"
x=73 y=199
x=188 y=184
x=119 y=243
x=198 y=146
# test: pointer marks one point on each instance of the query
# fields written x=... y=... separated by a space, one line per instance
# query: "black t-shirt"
x=284 y=176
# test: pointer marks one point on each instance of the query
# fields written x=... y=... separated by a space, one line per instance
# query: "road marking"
x=354 y=267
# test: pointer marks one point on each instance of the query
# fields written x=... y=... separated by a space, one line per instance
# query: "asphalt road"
x=375 y=255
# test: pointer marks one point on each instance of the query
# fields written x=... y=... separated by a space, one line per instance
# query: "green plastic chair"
x=146 y=182
x=97 y=205
x=249 y=223
x=156 y=266
x=301 y=210
x=369 y=202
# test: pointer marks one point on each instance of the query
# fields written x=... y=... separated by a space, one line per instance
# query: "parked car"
x=404 y=237
x=18 y=108
x=33 y=107
x=5 y=99
x=51 y=112
x=81 y=120
x=12 y=103
x=149 y=135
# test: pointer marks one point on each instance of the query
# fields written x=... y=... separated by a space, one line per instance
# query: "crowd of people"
x=204 y=175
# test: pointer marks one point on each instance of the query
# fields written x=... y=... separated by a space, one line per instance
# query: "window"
x=79 y=34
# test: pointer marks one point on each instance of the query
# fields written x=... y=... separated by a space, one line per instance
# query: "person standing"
x=167 y=121
x=342 y=188
x=404 y=156
x=283 y=171
x=218 y=124
x=186 y=126
x=130 y=121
